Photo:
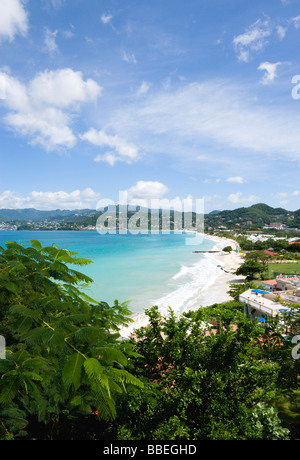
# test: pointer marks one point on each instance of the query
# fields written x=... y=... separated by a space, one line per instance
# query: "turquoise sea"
x=151 y=269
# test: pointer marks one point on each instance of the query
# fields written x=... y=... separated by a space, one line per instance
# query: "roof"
x=272 y=282
x=269 y=252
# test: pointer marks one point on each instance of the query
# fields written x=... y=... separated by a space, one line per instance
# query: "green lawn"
x=285 y=269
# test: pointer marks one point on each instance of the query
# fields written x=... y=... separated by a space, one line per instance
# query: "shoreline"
x=214 y=291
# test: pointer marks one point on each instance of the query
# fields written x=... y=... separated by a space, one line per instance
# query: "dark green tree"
x=64 y=356
x=250 y=268
x=212 y=380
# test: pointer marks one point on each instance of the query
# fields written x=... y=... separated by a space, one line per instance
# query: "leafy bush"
x=63 y=354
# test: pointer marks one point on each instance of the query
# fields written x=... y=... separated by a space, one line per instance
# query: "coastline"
x=229 y=262
x=214 y=291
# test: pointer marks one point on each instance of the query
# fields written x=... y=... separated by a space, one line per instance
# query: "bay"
x=145 y=269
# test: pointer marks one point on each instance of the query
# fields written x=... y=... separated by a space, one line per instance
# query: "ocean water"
x=152 y=269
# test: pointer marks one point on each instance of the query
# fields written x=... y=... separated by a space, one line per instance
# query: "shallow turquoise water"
x=145 y=269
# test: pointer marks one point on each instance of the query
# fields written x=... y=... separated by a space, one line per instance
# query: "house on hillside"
x=288 y=283
x=271 y=300
x=259 y=303
x=269 y=285
x=270 y=253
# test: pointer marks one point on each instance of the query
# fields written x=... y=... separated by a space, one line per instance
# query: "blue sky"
x=163 y=99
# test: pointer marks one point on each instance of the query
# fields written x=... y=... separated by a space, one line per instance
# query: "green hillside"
x=256 y=216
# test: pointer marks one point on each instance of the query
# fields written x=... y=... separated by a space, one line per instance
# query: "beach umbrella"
x=259 y=291
x=261 y=320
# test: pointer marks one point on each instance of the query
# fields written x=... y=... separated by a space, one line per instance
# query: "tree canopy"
x=206 y=375
x=63 y=350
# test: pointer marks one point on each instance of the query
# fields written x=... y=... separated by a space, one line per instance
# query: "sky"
x=171 y=99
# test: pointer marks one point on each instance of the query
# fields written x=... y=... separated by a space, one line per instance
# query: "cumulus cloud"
x=270 y=71
x=253 y=40
x=78 y=199
x=13 y=19
x=237 y=198
x=147 y=190
x=63 y=88
x=120 y=149
x=42 y=110
x=150 y=194
x=236 y=180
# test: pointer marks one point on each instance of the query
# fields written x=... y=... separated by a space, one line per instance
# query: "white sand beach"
x=216 y=289
x=229 y=262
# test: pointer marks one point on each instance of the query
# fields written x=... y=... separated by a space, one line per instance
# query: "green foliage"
x=236 y=289
x=259 y=214
x=250 y=267
x=63 y=351
x=206 y=387
x=211 y=374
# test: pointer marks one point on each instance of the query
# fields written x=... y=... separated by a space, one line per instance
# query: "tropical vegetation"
x=211 y=374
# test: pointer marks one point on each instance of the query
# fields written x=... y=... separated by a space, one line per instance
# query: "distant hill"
x=255 y=216
x=34 y=215
x=259 y=214
x=214 y=212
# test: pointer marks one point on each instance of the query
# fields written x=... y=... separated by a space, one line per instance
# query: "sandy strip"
x=229 y=262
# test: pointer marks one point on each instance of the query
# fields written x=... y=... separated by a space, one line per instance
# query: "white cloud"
x=78 y=199
x=13 y=19
x=270 y=71
x=254 y=39
x=129 y=57
x=201 y=157
x=281 y=194
x=236 y=180
x=43 y=109
x=144 y=88
x=296 y=21
x=50 y=41
x=56 y=4
x=296 y=193
x=147 y=190
x=106 y=18
x=68 y=33
x=237 y=198
x=121 y=149
x=63 y=88
x=179 y=122
x=283 y=202
x=152 y=193
x=281 y=31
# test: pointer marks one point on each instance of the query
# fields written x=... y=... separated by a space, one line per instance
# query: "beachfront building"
x=269 y=285
x=282 y=283
x=259 y=303
x=287 y=282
